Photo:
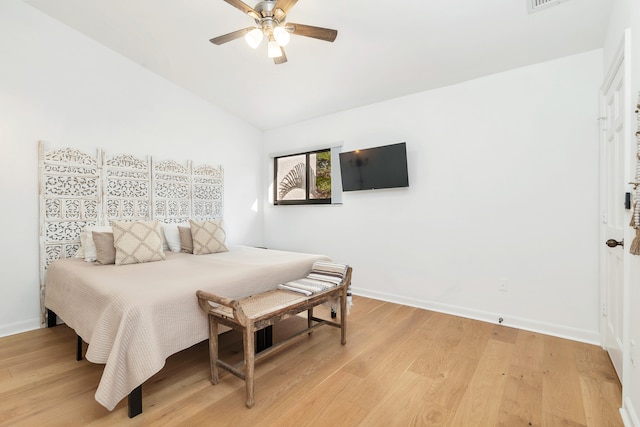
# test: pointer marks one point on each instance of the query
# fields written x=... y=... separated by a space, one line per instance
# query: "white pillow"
x=171 y=235
x=87 y=246
x=80 y=251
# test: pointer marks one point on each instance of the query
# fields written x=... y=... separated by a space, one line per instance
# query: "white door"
x=613 y=209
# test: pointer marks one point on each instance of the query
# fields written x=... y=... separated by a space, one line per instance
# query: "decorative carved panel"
x=171 y=191
x=78 y=190
x=127 y=188
x=69 y=197
x=208 y=190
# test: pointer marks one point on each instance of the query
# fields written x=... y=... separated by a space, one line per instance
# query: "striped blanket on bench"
x=324 y=275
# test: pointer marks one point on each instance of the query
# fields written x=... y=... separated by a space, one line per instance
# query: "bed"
x=134 y=317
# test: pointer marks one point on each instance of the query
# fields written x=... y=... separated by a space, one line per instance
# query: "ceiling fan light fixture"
x=270 y=22
x=254 y=37
x=273 y=49
x=281 y=35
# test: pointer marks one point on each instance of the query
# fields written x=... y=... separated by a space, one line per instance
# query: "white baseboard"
x=567 y=332
x=17 y=327
x=629 y=414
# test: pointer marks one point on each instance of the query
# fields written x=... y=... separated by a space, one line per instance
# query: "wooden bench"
x=256 y=312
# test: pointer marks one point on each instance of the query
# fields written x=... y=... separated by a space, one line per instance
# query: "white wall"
x=503 y=174
x=61 y=87
x=626 y=15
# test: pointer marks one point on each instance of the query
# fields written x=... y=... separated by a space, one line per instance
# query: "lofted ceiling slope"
x=384 y=49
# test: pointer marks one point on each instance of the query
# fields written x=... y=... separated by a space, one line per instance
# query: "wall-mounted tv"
x=372 y=168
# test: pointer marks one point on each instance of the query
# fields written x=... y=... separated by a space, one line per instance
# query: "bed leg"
x=135 y=402
x=79 y=349
x=52 y=319
x=264 y=338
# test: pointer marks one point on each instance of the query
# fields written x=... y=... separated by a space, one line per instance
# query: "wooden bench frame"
x=230 y=312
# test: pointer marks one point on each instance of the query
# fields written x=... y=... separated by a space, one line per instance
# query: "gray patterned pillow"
x=137 y=241
x=208 y=237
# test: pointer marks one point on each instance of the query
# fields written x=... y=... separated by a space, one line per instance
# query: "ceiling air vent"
x=536 y=5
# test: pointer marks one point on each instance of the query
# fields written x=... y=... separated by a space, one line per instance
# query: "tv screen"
x=378 y=167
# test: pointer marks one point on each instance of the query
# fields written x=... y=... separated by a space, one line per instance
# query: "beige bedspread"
x=135 y=316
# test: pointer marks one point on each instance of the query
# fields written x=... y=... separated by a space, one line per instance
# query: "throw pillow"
x=186 y=242
x=87 y=246
x=105 y=250
x=137 y=241
x=208 y=237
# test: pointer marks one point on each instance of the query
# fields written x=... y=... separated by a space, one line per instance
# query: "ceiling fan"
x=270 y=16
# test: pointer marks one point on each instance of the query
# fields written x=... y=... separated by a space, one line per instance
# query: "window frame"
x=307 y=200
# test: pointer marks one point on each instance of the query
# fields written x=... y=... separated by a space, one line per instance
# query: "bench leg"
x=343 y=317
x=310 y=319
x=213 y=349
x=249 y=363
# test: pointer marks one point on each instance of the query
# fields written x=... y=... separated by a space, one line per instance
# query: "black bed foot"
x=79 y=349
x=135 y=402
x=52 y=319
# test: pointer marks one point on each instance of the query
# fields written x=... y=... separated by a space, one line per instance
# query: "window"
x=302 y=179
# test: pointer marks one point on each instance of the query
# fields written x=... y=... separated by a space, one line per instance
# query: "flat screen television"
x=377 y=167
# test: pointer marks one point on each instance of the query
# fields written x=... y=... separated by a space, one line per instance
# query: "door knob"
x=612 y=243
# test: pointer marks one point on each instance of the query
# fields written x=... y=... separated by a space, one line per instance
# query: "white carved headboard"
x=79 y=189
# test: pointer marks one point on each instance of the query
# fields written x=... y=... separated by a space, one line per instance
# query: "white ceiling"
x=384 y=49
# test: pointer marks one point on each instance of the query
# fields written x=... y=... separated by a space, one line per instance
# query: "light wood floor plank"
x=599 y=398
x=311 y=406
x=504 y=333
x=522 y=398
x=405 y=404
x=591 y=361
x=394 y=360
x=562 y=393
x=529 y=351
x=482 y=399
x=472 y=337
x=401 y=366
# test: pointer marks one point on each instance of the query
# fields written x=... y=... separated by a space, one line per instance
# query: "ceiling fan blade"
x=325 y=34
x=285 y=5
x=231 y=36
x=280 y=59
x=238 y=4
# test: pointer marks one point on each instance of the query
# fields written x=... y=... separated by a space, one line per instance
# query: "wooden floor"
x=401 y=366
